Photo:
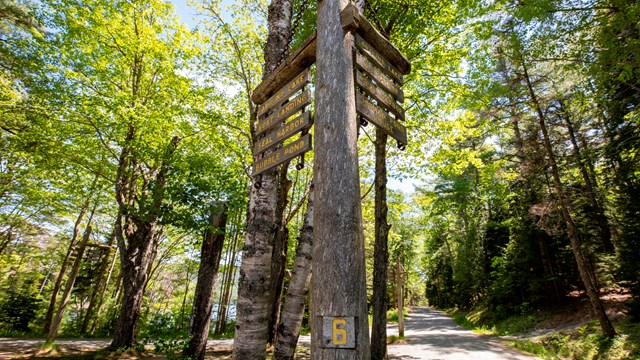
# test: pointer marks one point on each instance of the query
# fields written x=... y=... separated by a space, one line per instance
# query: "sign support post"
x=339 y=308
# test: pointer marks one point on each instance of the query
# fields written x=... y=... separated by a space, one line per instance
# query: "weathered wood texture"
x=380 y=77
x=338 y=279
x=283 y=154
x=293 y=311
x=301 y=59
x=384 y=99
x=276 y=136
x=352 y=20
x=374 y=55
x=380 y=118
x=283 y=112
x=210 y=254
x=277 y=99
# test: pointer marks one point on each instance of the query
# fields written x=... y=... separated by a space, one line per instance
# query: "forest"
x=126 y=142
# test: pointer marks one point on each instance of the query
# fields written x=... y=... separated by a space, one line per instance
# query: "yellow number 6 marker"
x=339 y=333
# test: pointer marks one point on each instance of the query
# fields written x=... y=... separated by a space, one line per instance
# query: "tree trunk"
x=93 y=299
x=207 y=273
x=400 y=298
x=604 y=231
x=279 y=256
x=55 y=325
x=338 y=278
x=293 y=311
x=380 y=252
x=136 y=260
x=576 y=246
x=225 y=295
x=63 y=269
x=254 y=292
x=101 y=294
x=142 y=231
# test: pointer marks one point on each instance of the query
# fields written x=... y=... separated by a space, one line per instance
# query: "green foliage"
x=585 y=342
x=17 y=310
x=170 y=347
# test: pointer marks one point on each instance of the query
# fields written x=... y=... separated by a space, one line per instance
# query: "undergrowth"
x=585 y=342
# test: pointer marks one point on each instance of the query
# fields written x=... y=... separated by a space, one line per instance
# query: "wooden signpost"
x=272 y=130
x=377 y=79
x=358 y=72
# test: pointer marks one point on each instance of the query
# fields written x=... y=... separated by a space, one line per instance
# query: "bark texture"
x=279 y=255
x=380 y=252
x=293 y=311
x=338 y=279
x=254 y=292
x=203 y=298
x=138 y=231
x=572 y=231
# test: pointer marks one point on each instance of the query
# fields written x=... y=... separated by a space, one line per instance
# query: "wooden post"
x=400 y=295
x=339 y=309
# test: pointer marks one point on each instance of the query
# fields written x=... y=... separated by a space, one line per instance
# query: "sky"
x=185 y=12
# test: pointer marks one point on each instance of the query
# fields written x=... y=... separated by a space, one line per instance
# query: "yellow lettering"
x=339 y=335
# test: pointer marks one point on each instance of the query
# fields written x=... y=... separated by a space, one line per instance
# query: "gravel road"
x=433 y=335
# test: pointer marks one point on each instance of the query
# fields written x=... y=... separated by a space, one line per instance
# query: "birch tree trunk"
x=293 y=311
x=254 y=292
x=207 y=273
x=338 y=278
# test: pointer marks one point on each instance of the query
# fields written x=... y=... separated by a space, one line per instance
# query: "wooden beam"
x=301 y=59
x=353 y=21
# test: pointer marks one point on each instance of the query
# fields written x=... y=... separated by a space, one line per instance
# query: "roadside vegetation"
x=567 y=332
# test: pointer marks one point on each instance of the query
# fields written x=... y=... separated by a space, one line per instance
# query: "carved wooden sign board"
x=378 y=70
x=272 y=127
x=377 y=80
x=283 y=110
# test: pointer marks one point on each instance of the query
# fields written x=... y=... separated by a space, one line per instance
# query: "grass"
x=584 y=342
x=479 y=321
x=392 y=315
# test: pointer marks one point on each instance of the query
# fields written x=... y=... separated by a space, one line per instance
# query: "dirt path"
x=432 y=335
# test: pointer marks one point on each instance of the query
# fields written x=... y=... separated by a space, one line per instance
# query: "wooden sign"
x=283 y=112
x=284 y=132
x=380 y=118
x=285 y=93
x=282 y=155
x=382 y=97
x=378 y=59
x=379 y=77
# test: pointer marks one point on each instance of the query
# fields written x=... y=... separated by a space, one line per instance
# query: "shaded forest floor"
x=85 y=349
x=560 y=332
